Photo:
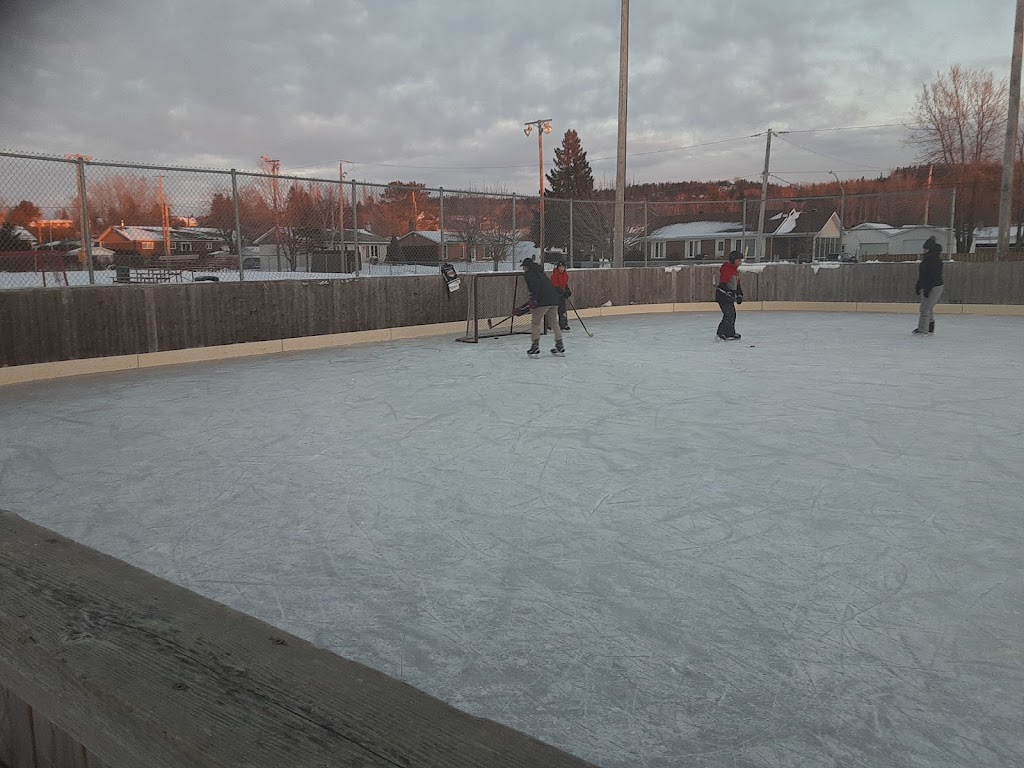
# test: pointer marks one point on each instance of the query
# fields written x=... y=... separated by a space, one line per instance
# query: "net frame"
x=491 y=306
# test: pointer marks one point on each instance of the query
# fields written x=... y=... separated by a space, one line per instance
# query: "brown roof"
x=809 y=222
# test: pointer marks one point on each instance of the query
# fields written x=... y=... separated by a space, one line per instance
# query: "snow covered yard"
x=799 y=549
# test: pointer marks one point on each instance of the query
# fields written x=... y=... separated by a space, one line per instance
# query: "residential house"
x=425 y=246
x=148 y=242
x=871 y=239
x=800 y=236
x=698 y=240
x=311 y=249
x=789 y=236
x=988 y=237
x=19 y=232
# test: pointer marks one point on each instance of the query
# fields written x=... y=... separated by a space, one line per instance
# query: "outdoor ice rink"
x=661 y=550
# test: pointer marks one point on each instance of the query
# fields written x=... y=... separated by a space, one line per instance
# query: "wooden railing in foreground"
x=102 y=664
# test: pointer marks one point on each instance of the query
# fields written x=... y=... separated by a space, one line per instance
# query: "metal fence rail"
x=76 y=221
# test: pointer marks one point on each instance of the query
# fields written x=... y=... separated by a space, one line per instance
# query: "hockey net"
x=493 y=299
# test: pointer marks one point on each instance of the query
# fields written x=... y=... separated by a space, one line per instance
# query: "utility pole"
x=842 y=213
x=83 y=203
x=620 y=154
x=275 y=168
x=759 y=248
x=928 y=194
x=1012 y=123
x=542 y=126
x=165 y=220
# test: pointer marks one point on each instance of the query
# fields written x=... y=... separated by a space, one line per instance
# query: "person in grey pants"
x=544 y=301
x=929 y=285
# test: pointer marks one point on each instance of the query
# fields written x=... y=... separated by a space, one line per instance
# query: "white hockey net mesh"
x=493 y=301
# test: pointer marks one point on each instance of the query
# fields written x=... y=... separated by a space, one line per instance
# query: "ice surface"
x=661 y=550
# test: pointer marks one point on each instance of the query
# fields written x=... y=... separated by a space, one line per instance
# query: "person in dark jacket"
x=729 y=293
x=544 y=300
x=929 y=285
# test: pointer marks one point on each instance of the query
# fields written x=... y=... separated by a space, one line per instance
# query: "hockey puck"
x=752 y=346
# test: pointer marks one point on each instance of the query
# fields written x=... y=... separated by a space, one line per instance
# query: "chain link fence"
x=76 y=221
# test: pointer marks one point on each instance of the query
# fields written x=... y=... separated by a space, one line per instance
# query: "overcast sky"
x=437 y=91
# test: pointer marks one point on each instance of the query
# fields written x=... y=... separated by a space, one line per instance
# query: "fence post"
x=572 y=238
x=440 y=224
x=515 y=235
x=647 y=243
x=355 y=230
x=341 y=211
x=238 y=224
x=85 y=230
x=952 y=225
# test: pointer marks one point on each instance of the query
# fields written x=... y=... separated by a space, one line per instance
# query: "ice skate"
x=558 y=350
x=534 y=350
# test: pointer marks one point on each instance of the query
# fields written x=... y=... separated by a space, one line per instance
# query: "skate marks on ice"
x=668 y=552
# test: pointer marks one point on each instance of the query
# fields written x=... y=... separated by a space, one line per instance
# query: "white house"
x=306 y=245
x=699 y=240
x=791 y=235
x=873 y=239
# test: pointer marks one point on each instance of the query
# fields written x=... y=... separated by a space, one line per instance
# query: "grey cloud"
x=449 y=84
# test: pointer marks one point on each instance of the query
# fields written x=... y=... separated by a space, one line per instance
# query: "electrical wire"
x=821 y=154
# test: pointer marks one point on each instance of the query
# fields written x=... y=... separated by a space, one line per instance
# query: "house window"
x=183 y=247
x=692 y=249
x=720 y=247
x=148 y=245
x=659 y=250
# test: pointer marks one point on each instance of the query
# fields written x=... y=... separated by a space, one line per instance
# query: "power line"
x=822 y=154
x=852 y=128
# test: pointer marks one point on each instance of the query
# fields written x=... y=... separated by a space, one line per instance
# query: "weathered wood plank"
x=54 y=748
x=16 y=748
x=42 y=325
x=145 y=673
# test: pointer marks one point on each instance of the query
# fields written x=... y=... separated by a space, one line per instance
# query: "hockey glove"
x=927 y=292
x=739 y=298
x=567 y=292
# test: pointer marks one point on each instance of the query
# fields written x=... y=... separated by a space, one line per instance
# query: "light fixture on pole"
x=542 y=126
x=842 y=212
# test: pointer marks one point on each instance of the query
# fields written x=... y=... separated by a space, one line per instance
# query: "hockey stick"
x=492 y=324
x=580 y=319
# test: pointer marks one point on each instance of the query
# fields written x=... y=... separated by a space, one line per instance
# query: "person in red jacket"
x=560 y=279
x=729 y=293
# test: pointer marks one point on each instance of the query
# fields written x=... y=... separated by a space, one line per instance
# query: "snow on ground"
x=801 y=549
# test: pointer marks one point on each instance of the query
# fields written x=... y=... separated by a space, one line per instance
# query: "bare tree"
x=961 y=119
x=122 y=198
x=482 y=219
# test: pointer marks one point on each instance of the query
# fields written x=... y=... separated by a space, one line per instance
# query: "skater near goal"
x=544 y=300
x=729 y=293
x=929 y=285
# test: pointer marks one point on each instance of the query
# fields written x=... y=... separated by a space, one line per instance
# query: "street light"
x=542 y=126
x=842 y=213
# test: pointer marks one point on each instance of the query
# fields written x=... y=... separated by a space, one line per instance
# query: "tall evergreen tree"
x=571 y=177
